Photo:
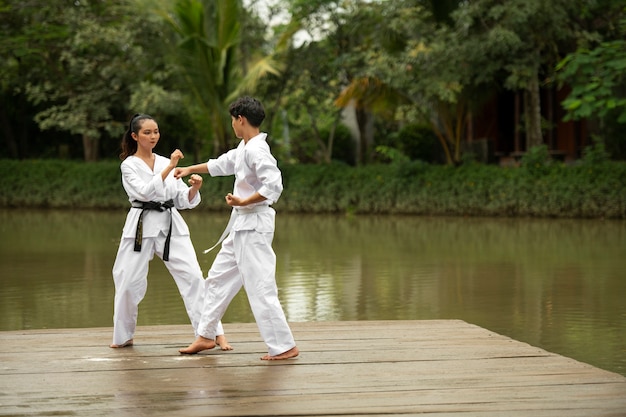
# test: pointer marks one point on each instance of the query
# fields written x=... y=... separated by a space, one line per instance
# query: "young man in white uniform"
x=246 y=257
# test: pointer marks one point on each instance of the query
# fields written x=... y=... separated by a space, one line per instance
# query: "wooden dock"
x=368 y=368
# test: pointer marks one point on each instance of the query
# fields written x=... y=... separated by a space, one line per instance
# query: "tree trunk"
x=533 y=114
x=90 y=148
x=286 y=134
x=331 y=137
x=23 y=120
x=516 y=124
x=361 y=118
x=9 y=136
x=461 y=120
x=221 y=135
x=369 y=137
x=365 y=121
x=316 y=134
x=443 y=126
x=444 y=144
x=197 y=148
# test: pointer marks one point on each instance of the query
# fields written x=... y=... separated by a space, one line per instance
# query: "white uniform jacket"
x=255 y=170
x=143 y=184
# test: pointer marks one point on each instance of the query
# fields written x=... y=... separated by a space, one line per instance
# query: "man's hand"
x=233 y=201
x=181 y=172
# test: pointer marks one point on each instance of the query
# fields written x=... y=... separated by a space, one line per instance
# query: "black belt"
x=153 y=205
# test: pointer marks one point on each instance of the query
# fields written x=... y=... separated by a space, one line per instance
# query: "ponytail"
x=129 y=145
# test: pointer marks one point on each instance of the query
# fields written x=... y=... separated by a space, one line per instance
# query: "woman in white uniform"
x=154 y=226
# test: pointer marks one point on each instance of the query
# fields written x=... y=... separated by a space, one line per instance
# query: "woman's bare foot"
x=127 y=343
x=200 y=344
x=291 y=353
x=223 y=343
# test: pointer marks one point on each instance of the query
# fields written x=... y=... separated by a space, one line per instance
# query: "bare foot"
x=200 y=344
x=129 y=342
x=223 y=343
x=291 y=353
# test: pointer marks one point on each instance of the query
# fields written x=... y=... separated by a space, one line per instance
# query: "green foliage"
x=537 y=160
x=343 y=145
x=595 y=74
x=595 y=155
x=79 y=185
x=417 y=141
x=584 y=190
x=83 y=67
x=519 y=40
x=392 y=154
x=203 y=48
x=90 y=74
x=212 y=64
x=303 y=94
x=597 y=79
x=66 y=184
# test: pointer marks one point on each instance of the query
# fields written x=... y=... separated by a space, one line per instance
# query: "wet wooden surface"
x=428 y=368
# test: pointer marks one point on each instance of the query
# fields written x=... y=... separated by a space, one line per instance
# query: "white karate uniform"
x=246 y=257
x=130 y=270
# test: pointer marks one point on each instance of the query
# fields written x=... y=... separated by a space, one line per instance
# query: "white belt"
x=237 y=211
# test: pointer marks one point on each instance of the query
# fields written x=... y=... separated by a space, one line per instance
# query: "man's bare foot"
x=127 y=343
x=291 y=353
x=200 y=344
x=223 y=343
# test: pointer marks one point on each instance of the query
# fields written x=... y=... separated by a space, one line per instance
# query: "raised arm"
x=176 y=156
x=195 y=182
x=192 y=169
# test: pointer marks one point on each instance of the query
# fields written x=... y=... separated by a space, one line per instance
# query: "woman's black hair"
x=129 y=145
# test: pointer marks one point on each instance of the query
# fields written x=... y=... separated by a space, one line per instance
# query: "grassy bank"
x=585 y=190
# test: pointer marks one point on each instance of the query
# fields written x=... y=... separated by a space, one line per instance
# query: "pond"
x=556 y=284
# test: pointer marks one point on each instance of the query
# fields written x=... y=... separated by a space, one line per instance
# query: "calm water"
x=556 y=284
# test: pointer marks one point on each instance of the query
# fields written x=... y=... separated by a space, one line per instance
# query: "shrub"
x=538 y=188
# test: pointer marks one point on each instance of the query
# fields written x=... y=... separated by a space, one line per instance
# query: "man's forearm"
x=198 y=169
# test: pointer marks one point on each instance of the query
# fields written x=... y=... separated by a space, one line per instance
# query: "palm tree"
x=206 y=51
x=204 y=48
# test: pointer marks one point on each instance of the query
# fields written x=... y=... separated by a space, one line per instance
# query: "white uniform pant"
x=130 y=275
x=247 y=259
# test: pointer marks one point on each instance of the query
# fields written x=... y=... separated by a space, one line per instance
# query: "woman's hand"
x=195 y=181
x=176 y=156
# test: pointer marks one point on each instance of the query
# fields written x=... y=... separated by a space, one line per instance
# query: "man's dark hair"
x=250 y=108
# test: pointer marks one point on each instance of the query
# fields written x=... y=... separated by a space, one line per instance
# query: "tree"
x=90 y=75
x=520 y=40
x=310 y=99
x=205 y=48
x=442 y=91
x=348 y=40
x=395 y=65
x=32 y=33
x=410 y=71
x=302 y=94
x=374 y=39
x=597 y=79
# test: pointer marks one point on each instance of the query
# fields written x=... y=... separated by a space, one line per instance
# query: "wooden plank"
x=438 y=367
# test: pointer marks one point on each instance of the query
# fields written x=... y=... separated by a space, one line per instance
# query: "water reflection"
x=557 y=284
